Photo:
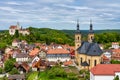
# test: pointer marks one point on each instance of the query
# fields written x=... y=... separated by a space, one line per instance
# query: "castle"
x=87 y=53
x=14 y=28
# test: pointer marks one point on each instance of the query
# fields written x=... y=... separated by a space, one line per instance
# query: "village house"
x=16 y=43
x=39 y=65
x=22 y=57
x=34 y=52
x=22 y=67
x=115 y=45
x=24 y=32
x=105 y=72
x=12 y=29
x=105 y=60
x=16 y=77
x=107 y=53
x=115 y=54
x=42 y=54
x=58 y=55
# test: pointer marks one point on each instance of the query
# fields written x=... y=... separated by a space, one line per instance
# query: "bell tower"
x=77 y=37
x=91 y=33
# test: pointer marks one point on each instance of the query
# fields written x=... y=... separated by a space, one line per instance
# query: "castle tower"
x=91 y=33
x=18 y=25
x=77 y=37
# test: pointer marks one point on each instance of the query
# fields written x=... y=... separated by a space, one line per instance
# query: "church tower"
x=91 y=33
x=77 y=37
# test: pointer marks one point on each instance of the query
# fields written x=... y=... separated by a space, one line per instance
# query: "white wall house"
x=15 y=43
x=105 y=72
x=107 y=54
x=58 y=55
x=24 y=32
x=115 y=45
x=22 y=57
x=12 y=29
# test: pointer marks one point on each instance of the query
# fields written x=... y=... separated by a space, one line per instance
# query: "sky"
x=60 y=14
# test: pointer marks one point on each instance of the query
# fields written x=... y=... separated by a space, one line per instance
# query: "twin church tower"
x=78 y=35
x=87 y=53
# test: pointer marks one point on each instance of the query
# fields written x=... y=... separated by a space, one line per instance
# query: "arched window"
x=81 y=60
x=89 y=61
x=95 y=62
x=78 y=45
x=78 y=38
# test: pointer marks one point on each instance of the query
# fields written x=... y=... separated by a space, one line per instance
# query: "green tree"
x=9 y=64
x=14 y=71
x=116 y=77
x=16 y=33
x=1 y=70
x=56 y=71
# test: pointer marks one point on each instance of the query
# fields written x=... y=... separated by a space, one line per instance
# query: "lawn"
x=57 y=73
x=32 y=76
x=44 y=76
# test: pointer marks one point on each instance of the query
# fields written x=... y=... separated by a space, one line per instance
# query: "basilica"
x=87 y=53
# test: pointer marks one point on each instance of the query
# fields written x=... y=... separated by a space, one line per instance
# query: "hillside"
x=42 y=35
x=46 y=35
x=51 y=35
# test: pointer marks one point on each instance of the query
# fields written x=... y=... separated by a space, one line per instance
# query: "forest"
x=47 y=35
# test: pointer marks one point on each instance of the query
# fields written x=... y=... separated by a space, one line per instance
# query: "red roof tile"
x=13 y=27
x=58 y=51
x=116 y=50
x=115 y=42
x=26 y=66
x=67 y=63
x=105 y=69
x=34 y=52
x=104 y=57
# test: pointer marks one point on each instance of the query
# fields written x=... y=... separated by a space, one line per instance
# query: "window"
x=95 y=62
x=81 y=60
x=78 y=38
x=91 y=37
x=89 y=61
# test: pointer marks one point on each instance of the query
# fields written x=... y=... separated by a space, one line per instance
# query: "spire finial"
x=91 y=24
x=77 y=24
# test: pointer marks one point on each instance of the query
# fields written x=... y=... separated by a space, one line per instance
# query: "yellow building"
x=87 y=53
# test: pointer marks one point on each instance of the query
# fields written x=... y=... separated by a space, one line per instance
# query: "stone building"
x=87 y=53
x=14 y=28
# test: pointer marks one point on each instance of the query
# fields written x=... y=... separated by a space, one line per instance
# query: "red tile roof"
x=105 y=59
x=105 y=69
x=67 y=63
x=116 y=50
x=58 y=51
x=13 y=27
x=115 y=42
x=34 y=52
x=26 y=66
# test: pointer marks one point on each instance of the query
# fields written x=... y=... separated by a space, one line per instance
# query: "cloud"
x=60 y=13
x=73 y=7
x=55 y=1
x=13 y=3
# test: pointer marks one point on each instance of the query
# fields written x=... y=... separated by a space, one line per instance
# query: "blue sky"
x=60 y=14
